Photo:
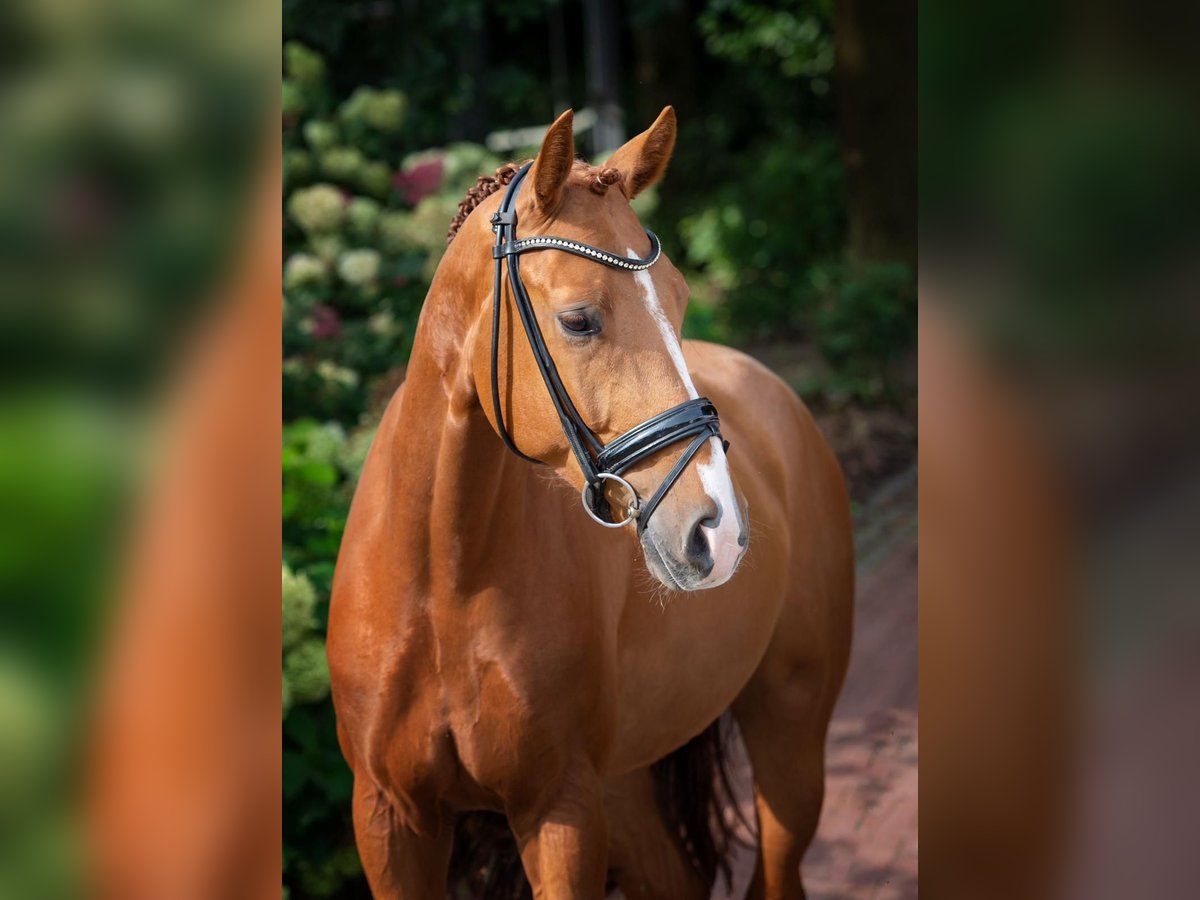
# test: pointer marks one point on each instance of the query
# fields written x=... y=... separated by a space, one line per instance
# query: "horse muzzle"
x=702 y=553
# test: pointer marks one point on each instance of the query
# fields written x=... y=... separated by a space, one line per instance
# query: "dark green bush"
x=757 y=238
x=865 y=322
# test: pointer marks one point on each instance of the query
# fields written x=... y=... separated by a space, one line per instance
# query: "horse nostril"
x=698 y=553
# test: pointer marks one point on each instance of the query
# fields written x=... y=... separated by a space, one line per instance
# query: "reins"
x=694 y=419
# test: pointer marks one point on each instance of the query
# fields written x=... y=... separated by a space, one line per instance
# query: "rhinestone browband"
x=585 y=250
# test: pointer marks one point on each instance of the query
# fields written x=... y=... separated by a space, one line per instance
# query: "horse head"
x=612 y=334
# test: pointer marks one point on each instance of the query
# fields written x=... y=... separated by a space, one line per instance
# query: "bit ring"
x=632 y=510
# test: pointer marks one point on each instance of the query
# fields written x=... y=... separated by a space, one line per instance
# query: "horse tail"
x=696 y=798
x=485 y=861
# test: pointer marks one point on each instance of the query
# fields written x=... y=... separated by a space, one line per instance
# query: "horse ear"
x=553 y=163
x=644 y=159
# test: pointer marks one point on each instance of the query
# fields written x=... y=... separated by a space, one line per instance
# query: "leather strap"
x=656 y=433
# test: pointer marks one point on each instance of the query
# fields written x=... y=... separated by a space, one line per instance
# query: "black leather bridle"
x=695 y=420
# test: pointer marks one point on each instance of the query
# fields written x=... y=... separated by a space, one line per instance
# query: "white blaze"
x=714 y=474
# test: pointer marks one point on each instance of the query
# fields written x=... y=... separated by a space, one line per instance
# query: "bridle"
x=695 y=420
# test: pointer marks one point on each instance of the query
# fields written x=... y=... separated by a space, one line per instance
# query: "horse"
x=492 y=648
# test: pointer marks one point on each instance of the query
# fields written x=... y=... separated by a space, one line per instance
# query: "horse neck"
x=455 y=489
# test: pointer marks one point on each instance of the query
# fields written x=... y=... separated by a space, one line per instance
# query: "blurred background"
x=789 y=206
x=1060 y=242
x=133 y=140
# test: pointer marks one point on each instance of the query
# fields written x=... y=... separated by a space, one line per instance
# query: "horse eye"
x=577 y=323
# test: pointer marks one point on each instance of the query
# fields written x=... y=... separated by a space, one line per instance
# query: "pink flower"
x=326 y=322
x=420 y=181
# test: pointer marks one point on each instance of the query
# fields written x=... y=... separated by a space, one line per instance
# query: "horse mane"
x=484 y=187
x=599 y=181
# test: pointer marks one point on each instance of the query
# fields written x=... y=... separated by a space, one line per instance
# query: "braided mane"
x=483 y=188
x=486 y=185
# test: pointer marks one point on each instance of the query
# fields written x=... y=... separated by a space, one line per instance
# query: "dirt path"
x=866 y=845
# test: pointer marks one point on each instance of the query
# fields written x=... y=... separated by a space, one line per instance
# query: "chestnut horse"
x=492 y=648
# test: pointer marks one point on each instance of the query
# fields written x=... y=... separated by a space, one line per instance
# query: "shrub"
x=320 y=463
x=866 y=320
x=754 y=244
x=366 y=225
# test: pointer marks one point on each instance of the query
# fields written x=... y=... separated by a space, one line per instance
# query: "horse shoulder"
x=363 y=631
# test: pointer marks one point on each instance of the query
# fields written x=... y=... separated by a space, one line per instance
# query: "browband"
x=694 y=419
x=587 y=251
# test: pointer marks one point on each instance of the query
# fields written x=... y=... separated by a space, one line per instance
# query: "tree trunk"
x=601 y=19
x=471 y=124
x=664 y=67
x=876 y=47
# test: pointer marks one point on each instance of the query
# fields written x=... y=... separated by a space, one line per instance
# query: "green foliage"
x=328 y=878
x=350 y=304
x=303 y=65
x=866 y=321
x=794 y=36
x=447 y=56
x=319 y=858
x=39 y=853
x=365 y=228
x=767 y=269
x=320 y=464
x=299 y=605
x=366 y=216
x=755 y=245
x=306 y=671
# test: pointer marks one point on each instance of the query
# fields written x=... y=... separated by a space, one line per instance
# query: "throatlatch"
x=695 y=420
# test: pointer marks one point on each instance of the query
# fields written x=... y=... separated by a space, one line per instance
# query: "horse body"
x=492 y=648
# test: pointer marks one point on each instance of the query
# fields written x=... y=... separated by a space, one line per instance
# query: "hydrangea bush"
x=365 y=226
x=365 y=219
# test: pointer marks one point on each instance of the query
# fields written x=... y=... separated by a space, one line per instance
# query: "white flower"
x=320 y=135
x=382 y=324
x=302 y=269
x=328 y=247
x=384 y=110
x=318 y=209
x=359 y=267
x=342 y=163
x=331 y=371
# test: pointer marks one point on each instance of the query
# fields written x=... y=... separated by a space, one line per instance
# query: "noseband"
x=695 y=420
